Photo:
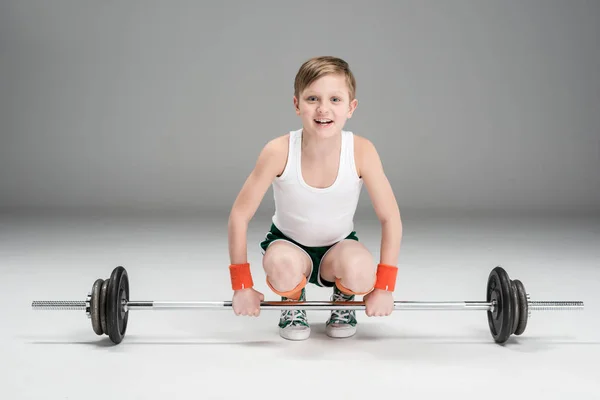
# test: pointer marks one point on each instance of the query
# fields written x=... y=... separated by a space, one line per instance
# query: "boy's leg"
x=349 y=267
x=287 y=267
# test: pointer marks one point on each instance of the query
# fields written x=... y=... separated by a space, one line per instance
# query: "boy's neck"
x=314 y=146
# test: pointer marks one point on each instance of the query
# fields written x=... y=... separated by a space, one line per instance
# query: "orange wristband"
x=241 y=278
x=386 y=277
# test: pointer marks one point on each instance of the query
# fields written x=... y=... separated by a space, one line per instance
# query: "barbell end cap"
x=88 y=305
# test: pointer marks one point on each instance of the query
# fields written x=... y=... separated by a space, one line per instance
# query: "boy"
x=317 y=173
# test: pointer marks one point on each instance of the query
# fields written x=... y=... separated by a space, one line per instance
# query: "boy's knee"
x=357 y=277
x=284 y=270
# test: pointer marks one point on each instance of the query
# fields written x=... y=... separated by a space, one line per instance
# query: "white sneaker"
x=293 y=324
x=341 y=323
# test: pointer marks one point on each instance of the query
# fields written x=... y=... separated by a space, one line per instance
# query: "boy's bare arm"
x=269 y=164
x=383 y=200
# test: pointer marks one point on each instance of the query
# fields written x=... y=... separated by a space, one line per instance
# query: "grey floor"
x=213 y=354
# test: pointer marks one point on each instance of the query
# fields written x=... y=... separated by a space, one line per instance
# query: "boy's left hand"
x=379 y=303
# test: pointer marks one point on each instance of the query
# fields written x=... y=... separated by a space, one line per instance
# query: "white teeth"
x=323 y=120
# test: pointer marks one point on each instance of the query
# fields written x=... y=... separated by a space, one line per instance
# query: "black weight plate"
x=515 y=304
x=116 y=318
x=523 y=307
x=501 y=319
x=103 y=294
x=95 y=307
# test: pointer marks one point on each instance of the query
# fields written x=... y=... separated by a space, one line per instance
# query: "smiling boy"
x=317 y=173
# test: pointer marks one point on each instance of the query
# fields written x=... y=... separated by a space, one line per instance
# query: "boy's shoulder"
x=282 y=139
x=278 y=144
x=273 y=155
x=361 y=141
x=365 y=153
x=363 y=146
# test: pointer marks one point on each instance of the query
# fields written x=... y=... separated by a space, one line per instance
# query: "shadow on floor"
x=386 y=343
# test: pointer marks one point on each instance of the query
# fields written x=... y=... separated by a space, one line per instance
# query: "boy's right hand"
x=247 y=302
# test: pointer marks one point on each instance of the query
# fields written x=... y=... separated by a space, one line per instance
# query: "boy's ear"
x=296 y=105
x=353 y=105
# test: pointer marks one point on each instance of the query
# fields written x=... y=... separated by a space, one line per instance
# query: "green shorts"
x=316 y=254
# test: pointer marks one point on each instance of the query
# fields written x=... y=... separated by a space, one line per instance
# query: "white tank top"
x=316 y=216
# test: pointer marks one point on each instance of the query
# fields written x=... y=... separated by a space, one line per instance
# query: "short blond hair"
x=316 y=67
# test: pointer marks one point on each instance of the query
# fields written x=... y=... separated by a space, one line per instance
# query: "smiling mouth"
x=323 y=122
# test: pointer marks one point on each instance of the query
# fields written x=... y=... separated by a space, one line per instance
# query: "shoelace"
x=294 y=316
x=340 y=315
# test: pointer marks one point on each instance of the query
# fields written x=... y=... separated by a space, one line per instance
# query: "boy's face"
x=325 y=105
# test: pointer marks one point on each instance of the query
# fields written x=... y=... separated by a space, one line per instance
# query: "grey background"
x=121 y=107
x=147 y=105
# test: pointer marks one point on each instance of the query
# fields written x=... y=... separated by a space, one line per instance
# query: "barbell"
x=507 y=304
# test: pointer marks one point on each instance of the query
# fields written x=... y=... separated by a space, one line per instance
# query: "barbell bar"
x=82 y=305
x=507 y=304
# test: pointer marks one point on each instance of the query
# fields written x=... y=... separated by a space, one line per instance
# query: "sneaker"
x=293 y=324
x=341 y=323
